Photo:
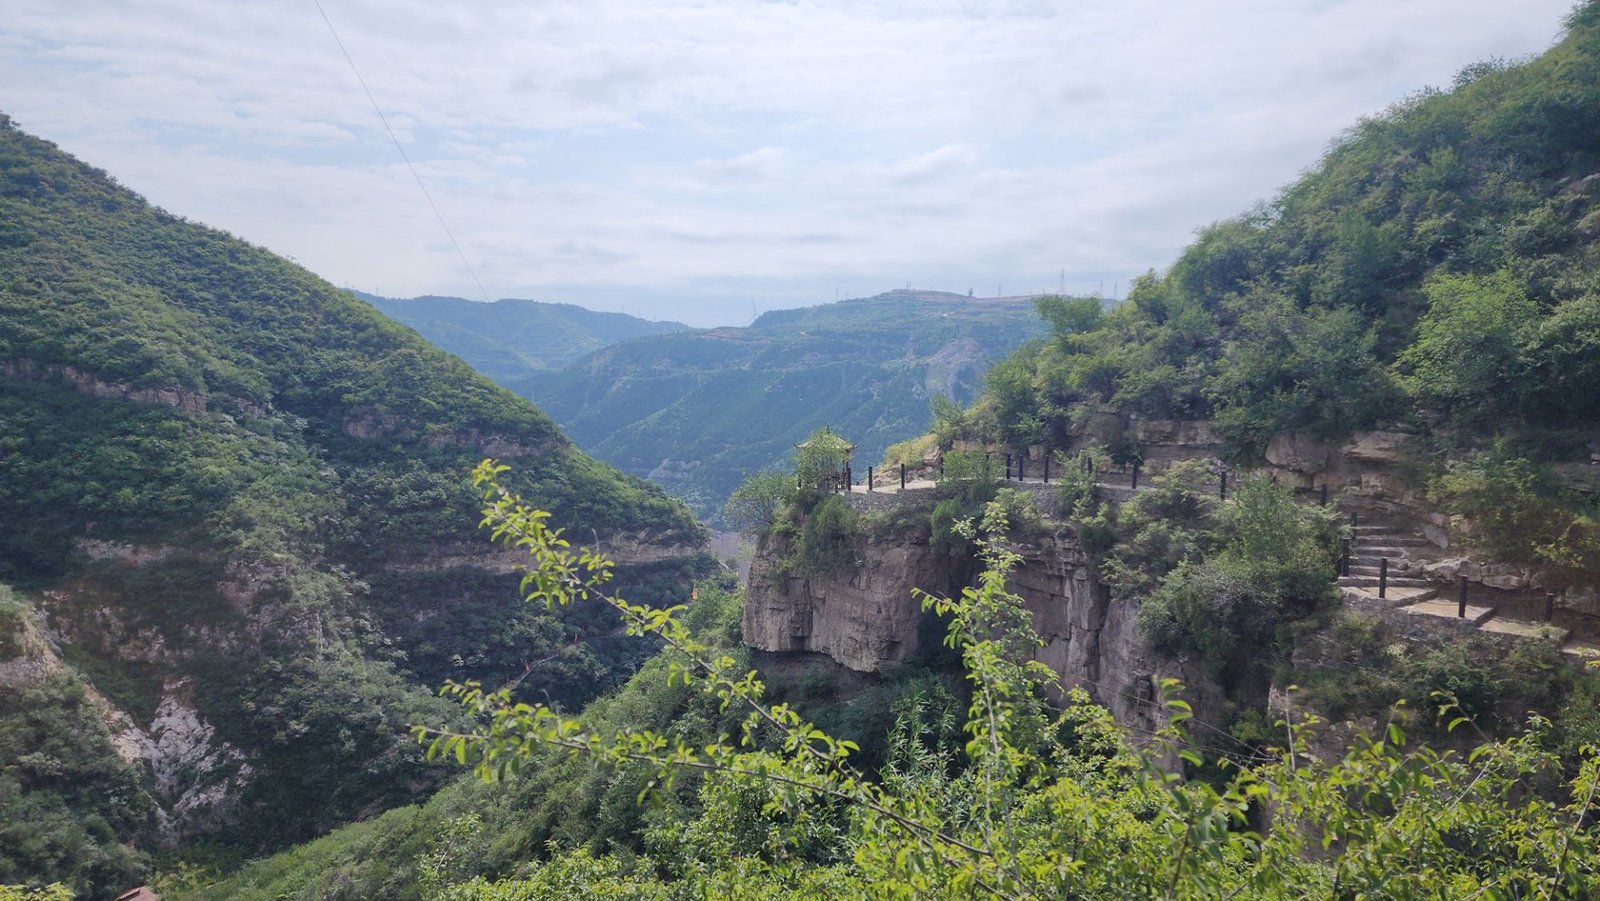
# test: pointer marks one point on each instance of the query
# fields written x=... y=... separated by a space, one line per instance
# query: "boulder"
x=1451 y=567
x=1297 y=452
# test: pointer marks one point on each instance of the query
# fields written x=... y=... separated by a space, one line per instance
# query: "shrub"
x=12 y=613
x=1466 y=360
x=1515 y=511
x=1020 y=510
x=754 y=506
x=1273 y=566
x=966 y=484
x=828 y=538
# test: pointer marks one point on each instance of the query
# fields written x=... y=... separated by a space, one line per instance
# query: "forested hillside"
x=508 y=340
x=1440 y=266
x=235 y=505
x=700 y=410
x=1436 y=273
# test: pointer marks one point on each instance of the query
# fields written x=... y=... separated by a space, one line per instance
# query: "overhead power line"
x=403 y=155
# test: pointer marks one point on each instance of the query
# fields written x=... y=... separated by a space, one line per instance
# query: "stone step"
x=1447 y=609
x=1390 y=543
x=1358 y=581
x=1379 y=529
x=1394 y=597
x=1376 y=552
x=1396 y=564
x=1392 y=539
x=1526 y=629
x=1359 y=567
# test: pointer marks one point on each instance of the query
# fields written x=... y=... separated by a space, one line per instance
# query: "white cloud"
x=699 y=155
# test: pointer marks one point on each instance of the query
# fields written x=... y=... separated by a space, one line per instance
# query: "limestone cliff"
x=867 y=618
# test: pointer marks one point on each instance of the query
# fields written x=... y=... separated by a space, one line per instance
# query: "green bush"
x=1021 y=511
x=827 y=541
x=755 y=505
x=12 y=621
x=966 y=483
x=1467 y=361
x=1235 y=602
x=1513 y=510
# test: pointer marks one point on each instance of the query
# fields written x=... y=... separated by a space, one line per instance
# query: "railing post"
x=902 y=477
x=1324 y=494
x=1461 y=597
x=1008 y=468
x=1549 y=606
x=1135 y=483
x=1354 y=520
x=1383 y=577
x=1047 y=466
x=869 y=480
x=1344 y=556
x=1022 y=467
x=1222 y=491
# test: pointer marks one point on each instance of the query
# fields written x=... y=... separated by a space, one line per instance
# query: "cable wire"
x=403 y=155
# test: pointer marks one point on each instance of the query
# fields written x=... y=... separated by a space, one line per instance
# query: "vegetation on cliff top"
x=1438 y=271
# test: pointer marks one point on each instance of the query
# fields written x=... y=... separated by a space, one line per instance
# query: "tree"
x=1068 y=316
x=754 y=506
x=1466 y=361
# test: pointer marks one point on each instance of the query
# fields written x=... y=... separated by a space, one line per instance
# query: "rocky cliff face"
x=867 y=618
x=864 y=618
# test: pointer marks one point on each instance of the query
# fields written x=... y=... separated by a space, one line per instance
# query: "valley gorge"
x=1276 y=576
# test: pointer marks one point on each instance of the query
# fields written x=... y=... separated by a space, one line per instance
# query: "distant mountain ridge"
x=511 y=338
x=697 y=411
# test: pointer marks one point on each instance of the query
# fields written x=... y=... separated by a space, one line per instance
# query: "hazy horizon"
x=697 y=163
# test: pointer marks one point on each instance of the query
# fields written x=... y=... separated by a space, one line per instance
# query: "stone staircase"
x=1412 y=592
x=1370 y=544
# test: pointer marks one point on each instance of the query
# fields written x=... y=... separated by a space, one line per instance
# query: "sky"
x=703 y=160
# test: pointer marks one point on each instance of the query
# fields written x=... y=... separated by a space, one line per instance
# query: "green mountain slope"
x=1439 y=267
x=238 y=497
x=698 y=411
x=511 y=339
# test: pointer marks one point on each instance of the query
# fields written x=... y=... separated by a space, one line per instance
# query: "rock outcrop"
x=867 y=618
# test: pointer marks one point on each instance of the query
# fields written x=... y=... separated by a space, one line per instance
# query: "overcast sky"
x=693 y=160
